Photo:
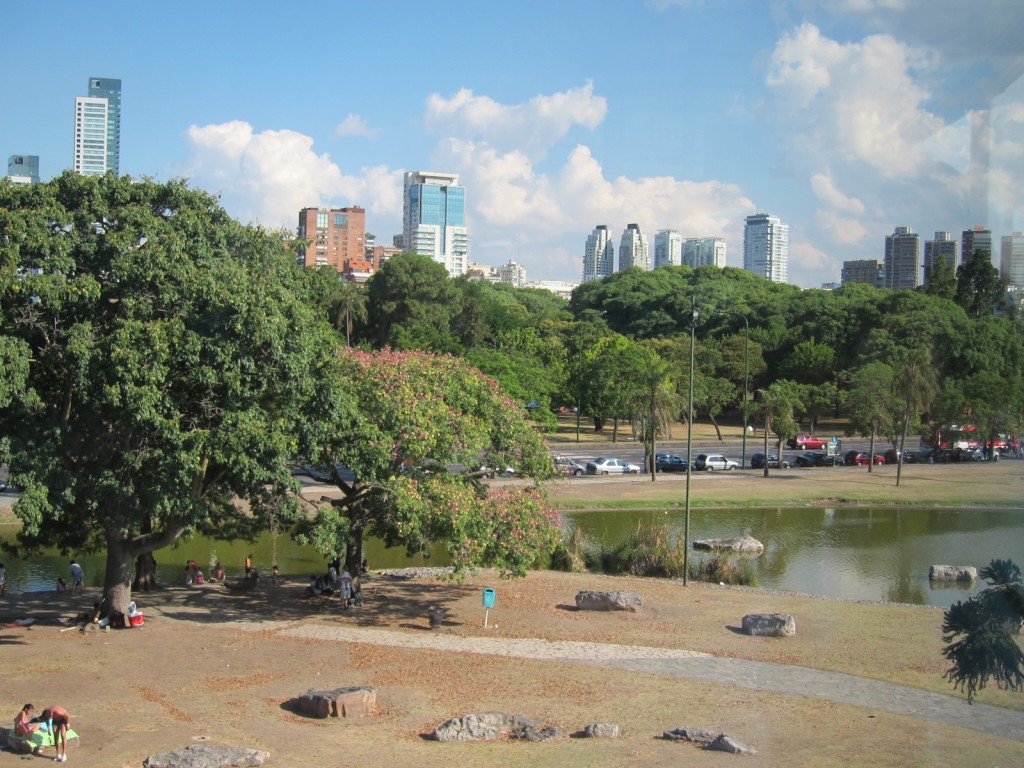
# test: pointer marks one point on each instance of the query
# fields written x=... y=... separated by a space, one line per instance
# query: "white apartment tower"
x=766 y=247
x=1011 y=260
x=434 y=219
x=98 y=128
x=599 y=256
x=902 y=259
x=633 y=250
x=704 y=252
x=668 y=248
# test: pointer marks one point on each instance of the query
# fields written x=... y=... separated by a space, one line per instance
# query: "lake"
x=855 y=552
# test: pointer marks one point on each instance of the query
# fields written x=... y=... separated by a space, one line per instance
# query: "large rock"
x=738 y=544
x=609 y=601
x=686 y=733
x=769 y=624
x=484 y=726
x=952 y=573
x=602 y=731
x=726 y=743
x=207 y=756
x=353 y=701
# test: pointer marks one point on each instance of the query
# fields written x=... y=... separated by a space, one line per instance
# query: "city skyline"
x=844 y=119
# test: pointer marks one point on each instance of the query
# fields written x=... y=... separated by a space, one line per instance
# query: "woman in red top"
x=59 y=720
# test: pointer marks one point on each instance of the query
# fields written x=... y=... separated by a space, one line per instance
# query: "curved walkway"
x=774 y=678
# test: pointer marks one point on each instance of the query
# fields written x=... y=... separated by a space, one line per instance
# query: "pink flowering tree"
x=424 y=423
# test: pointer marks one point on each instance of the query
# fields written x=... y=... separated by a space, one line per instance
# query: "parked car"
x=860 y=459
x=714 y=461
x=816 y=459
x=568 y=466
x=805 y=442
x=495 y=472
x=604 y=465
x=669 y=462
x=892 y=456
x=757 y=462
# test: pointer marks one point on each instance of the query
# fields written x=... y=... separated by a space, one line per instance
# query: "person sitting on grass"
x=23 y=723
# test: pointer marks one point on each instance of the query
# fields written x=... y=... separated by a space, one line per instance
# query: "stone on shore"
x=769 y=624
x=484 y=726
x=738 y=544
x=207 y=756
x=602 y=731
x=726 y=743
x=352 y=701
x=686 y=733
x=609 y=601
x=952 y=573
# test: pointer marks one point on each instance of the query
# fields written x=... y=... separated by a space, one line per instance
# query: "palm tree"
x=348 y=306
x=915 y=383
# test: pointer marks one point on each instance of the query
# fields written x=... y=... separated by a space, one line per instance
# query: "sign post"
x=488 y=604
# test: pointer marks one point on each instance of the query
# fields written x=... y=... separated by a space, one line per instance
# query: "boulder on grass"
x=609 y=601
x=602 y=731
x=207 y=756
x=352 y=701
x=769 y=624
x=484 y=726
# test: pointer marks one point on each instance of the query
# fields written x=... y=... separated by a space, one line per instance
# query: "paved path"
x=775 y=678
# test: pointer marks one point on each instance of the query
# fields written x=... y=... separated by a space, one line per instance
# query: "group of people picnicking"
x=54 y=720
x=337 y=581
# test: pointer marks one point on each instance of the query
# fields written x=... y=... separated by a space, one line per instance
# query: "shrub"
x=719 y=569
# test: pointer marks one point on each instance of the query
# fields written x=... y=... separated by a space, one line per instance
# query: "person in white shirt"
x=77 y=578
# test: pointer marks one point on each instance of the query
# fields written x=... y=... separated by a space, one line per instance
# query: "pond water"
x=860 y=553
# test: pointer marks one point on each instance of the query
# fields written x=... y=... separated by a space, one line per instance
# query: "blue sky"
x=845 y=118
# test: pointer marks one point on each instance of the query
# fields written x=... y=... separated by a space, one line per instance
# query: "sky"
x=844 y=118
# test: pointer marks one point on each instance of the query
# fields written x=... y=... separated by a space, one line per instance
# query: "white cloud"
x=355 y=125
x=826 y=191
x=531 y=127
x=268 y=177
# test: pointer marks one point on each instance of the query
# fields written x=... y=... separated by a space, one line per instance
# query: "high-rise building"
x=434 y=219
x=704 y=252
x=902 y=259
x=633 y=250
x=766 y=247
x=868 y=271
x=23 y=169
x=943 y=248
x=599 y=256
x=334 y=237
x=98 y=128
x=512 y=274
x=668 y=248
x=977 y=239
x=1011 y=261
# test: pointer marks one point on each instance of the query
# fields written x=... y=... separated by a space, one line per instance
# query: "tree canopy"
x=169 y=359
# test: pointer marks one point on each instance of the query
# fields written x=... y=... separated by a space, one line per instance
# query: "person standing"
x=77 y=578
x=248 y=565
x=59 y=721
x=345 y=585
x=3 y=575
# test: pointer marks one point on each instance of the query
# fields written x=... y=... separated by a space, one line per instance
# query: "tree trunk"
x=354 y=549
x=903 y=442
x=767 y=426
x=117 y=580
x=145 y=572
x=598 y=424
x=871 y=452
x=615 y=429
x=718 y=429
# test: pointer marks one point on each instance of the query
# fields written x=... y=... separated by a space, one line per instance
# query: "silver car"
x=714 y=461
x=610 y=466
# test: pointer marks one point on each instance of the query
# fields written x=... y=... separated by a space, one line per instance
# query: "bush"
x=719 y=569
x=649 y=551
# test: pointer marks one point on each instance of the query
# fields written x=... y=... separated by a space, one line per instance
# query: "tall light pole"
x=579 y=382
x=689 y=450
x=746 y=388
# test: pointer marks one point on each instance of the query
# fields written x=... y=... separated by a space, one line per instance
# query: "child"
x=61 y=585
x=274 y=576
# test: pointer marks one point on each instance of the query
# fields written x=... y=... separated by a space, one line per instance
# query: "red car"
x=805 y=442
x=860 y=459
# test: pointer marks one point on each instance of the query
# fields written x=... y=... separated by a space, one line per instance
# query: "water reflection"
x=857 y=552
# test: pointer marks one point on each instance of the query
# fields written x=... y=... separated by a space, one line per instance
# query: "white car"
x=714 y=461
x=608 y=466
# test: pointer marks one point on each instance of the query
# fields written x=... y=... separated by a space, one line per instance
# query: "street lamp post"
x=689 y=450
x=746 y=387
x=579 y=382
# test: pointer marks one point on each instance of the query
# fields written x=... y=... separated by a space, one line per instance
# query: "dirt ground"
x=215 y=666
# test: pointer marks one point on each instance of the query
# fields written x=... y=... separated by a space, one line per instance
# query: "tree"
x=914 y=382
x=174 y=357
x=777 y=404
x=347 y=305
x=419 y=415
x=978 y=287
x=986 y=626
x=871 y=402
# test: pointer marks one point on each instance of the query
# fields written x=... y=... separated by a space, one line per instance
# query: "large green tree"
x=420 y=415
x=174 y=356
